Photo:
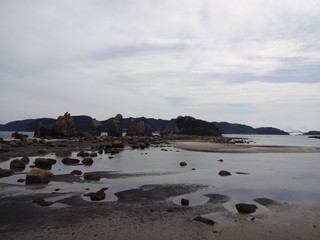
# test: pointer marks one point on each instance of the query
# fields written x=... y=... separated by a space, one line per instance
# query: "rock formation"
x=95 y=128
x=143 y=129
x=115 y=128
x=64 y=127
x=131 y=129
x=41 y=131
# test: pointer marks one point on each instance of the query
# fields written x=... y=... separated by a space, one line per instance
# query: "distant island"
x=200 y=127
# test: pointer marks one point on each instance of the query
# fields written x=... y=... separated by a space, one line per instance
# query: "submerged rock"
x=204 y=220
x=246 y=208
x=265 y=201
x=91 y=176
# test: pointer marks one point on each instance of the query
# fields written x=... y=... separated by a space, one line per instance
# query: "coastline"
x=202 y=146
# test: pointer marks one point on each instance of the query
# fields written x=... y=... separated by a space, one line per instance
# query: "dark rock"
x=25 y=160
x=242 y=173
x=115 y=127
x=5 y=172
x=143 y=129
x=76 y=172
x=131 y=129
x=64 y=127
x=87 y=161
x=220 y=160
x=93 y=154
x=91 y=176
x=17 y=135
x=182 y=164
x=17 y=165
x=184 y=202
x=166 y=131
x=224 y=173
x=97 y=196
x=265 y=201
x=95 y=128
x=204 y=220
x=117 y=144
x=83 y=154
x=38 y=176
x=246 y=208
x=44 y=162
x=41 y=131
x=41 y=202
x=70 y=161
x=21 y=180
x=163 y=149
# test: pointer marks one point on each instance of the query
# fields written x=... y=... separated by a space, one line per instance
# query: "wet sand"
x=203 y=146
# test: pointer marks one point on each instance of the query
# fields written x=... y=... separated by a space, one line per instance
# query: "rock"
x=41 y=131
x=17 y=135
x=83 y=154
x=143 y=129
x=64 y=127
x=4 y=148
x=27 y=141
x=93 y=154
x=117 y=144
x=224 y=173
x=220 y=160
x=204 y=220
x=265 y=201
x=182 y=164
x=21 y=180
x=6 y=172
x=70 y=161
x=87 y=161
x=95 y=128
x=38 y=176
x=246 y=208
x=17 y=165
x=91 y=176
x=184 y=202
x=76 y=172
x=25 y=160
x=41 y=202
x=242 y=173
x=166 y=131
x=131 y=129
x=115 y=127
x=97 y=196
x=44 y=163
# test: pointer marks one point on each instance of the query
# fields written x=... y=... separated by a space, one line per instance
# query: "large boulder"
x=115 y=127
x=64 y=127
x=17 y=165
x=143 y=129
x=41 y=131
x=246 y=208
x=38 y=176
x=95 y=128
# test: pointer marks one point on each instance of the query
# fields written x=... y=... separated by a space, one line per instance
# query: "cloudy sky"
x=255 y=62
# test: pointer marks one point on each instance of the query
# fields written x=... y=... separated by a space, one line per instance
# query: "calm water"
x=282 y=176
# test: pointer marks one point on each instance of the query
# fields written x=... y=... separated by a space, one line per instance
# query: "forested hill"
x=83 y=124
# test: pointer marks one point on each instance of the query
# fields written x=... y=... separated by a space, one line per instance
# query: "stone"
x=38 y=176
x=95 y=128
x=76 y=172
x=115 y=127
x=70 y=161
x=21 y=180
x=204 y=220
x=87 y=161
x=25 y=159
x=184 y=202
x=220 y=160
x=117 y=144
x=64 y=127
x=246 y=208
x=6 y=172
x=131 y=129
x=27 y=141
x=17 y=135
x=41 y=131
x=183 y=164
x=224 y=173
x=97 y=196
x=17 y=164
x=44 y=162
x=91 y=176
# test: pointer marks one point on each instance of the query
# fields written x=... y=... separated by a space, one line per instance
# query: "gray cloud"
x=254 y=62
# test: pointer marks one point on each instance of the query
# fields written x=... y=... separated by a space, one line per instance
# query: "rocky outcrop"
x=190 y=126
x=143 y=129
x=95 y=128
x=42 y=131
x=131 y=129
x=115 y=128
x=64 y=127
x=38 y=176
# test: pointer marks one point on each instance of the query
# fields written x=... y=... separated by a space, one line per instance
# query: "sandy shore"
x=245 y=148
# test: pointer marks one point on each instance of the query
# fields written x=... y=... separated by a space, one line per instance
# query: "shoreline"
x=202 y=146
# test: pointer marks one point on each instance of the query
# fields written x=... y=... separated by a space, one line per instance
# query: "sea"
x=285 y=177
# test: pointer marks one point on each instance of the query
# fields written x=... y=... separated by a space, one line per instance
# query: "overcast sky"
x=255 y=62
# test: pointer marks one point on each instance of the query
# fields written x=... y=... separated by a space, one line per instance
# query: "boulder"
x=224 y=173
x=246 y=208
x=64 y=127
x=38 y=176
x=25 y=159
x=41 y=131
x=95 y=128
x=44 y=163
x=6 y=172
x=17 y=164
x=115 y=127
x=76 y=172
x=87 y=161
x=184 y=202
x=91 y=176
x=70 y=161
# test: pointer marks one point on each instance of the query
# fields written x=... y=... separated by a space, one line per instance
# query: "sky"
x=255 y=62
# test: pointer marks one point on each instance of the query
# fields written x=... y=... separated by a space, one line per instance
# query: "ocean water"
x=281 y=176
